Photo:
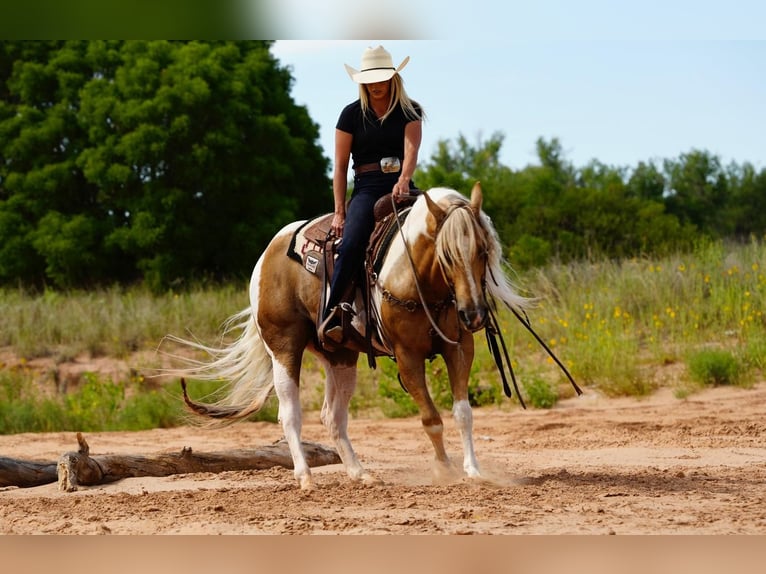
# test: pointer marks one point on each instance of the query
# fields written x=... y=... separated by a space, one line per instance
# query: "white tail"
x=244 y=365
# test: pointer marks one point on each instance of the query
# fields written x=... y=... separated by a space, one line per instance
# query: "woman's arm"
x=340 y=179
x=413 y=133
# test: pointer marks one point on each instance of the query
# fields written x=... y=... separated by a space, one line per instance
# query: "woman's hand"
x=401 y=189
x=338 y=221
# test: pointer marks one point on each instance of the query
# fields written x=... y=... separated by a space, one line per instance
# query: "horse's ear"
x=438 y=213
x=476 y=198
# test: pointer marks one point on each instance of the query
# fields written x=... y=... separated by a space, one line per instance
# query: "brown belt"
x=366 y=168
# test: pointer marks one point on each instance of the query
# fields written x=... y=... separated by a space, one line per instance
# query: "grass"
x=114 y=322
x=618 y=324
x=95 y=405
x=623 y=328
x=98 y=404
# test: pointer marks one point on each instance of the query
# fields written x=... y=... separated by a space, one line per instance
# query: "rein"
x=493 y=333
x=492 y=330
x=423 y=304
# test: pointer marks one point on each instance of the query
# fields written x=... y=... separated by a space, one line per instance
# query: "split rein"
x=492 y=331
x=423 y=304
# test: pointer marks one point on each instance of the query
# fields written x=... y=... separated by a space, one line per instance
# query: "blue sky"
x=620 y=97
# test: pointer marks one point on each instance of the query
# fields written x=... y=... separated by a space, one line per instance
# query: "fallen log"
x=78 y=468
x=26 y=472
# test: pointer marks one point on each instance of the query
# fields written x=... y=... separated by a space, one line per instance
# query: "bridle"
x=492 y=328
x=421 y=304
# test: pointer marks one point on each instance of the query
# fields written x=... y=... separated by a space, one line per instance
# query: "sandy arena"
x=589 y=466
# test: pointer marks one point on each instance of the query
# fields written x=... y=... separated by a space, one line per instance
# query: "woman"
x=381 y=131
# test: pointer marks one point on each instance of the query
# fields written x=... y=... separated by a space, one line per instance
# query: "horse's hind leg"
x=341 y=382
x=286 y=387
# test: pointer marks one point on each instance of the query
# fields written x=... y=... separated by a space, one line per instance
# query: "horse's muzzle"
x=473 y=319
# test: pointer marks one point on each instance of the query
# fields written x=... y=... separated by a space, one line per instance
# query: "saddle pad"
x=307 y=244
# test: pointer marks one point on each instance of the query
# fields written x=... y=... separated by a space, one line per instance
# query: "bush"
x=540 y=393
x=714 y=367
x=397 y=402
x=529 y=251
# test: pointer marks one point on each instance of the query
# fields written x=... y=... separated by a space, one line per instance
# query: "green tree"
x=39 y=139
x=458 y=166
x=647 y=182
x=157 y=160
x=537 y=192
x=746 y=208
x=555 y=210
x=698 y=191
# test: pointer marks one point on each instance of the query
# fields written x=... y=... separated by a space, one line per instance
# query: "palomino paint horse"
x=446 y=241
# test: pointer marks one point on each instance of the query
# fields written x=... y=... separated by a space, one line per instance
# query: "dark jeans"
x=360 y=221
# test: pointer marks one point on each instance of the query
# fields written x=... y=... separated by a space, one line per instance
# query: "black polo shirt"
x=373 y=140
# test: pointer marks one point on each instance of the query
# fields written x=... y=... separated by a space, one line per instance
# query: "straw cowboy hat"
x=377 y=66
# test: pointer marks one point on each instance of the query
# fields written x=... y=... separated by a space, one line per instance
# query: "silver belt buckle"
x=390 y=165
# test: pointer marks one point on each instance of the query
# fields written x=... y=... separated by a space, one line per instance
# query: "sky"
x=617 y=95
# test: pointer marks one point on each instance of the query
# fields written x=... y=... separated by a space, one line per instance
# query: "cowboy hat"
x=377 y=66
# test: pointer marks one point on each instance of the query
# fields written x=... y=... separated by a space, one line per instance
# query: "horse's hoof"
x=473 y=473
x=365 y=478
x=370 y=480
x=306 y=482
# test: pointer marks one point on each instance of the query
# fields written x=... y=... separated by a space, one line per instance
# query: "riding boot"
x=337 y=331
x=335 y=327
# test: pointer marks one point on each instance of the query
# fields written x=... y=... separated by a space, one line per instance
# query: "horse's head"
x=462 y=249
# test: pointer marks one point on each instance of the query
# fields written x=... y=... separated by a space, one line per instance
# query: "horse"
x=442 y=272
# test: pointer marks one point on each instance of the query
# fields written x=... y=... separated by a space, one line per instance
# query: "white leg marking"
x=463 y=415
x=290 y=417
x=341 y=382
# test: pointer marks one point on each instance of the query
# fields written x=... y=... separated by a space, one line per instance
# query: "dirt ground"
x=589 y=466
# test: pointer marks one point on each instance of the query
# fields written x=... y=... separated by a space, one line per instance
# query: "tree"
x=747 y=201
x=698 y=191
x=459 y=166
x=647 y=182
x=157 y=160
x=554 y=210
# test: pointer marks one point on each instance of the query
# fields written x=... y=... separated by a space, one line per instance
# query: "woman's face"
x=379 y=91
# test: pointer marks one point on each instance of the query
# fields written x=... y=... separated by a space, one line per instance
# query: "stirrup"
x=332 y=331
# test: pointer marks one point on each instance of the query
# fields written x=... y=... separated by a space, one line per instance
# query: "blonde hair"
x=398 y=96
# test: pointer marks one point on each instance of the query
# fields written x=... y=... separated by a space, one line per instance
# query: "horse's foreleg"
x=286 y=387
x=461 y=411
x=341 y=382
x=414 y=379
x=458 y=362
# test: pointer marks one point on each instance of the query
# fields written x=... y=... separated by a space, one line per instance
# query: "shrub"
x=715 y=367
x=540 y=393
x=396 y=402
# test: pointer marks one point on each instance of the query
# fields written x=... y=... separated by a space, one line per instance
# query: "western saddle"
x=315 y=246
